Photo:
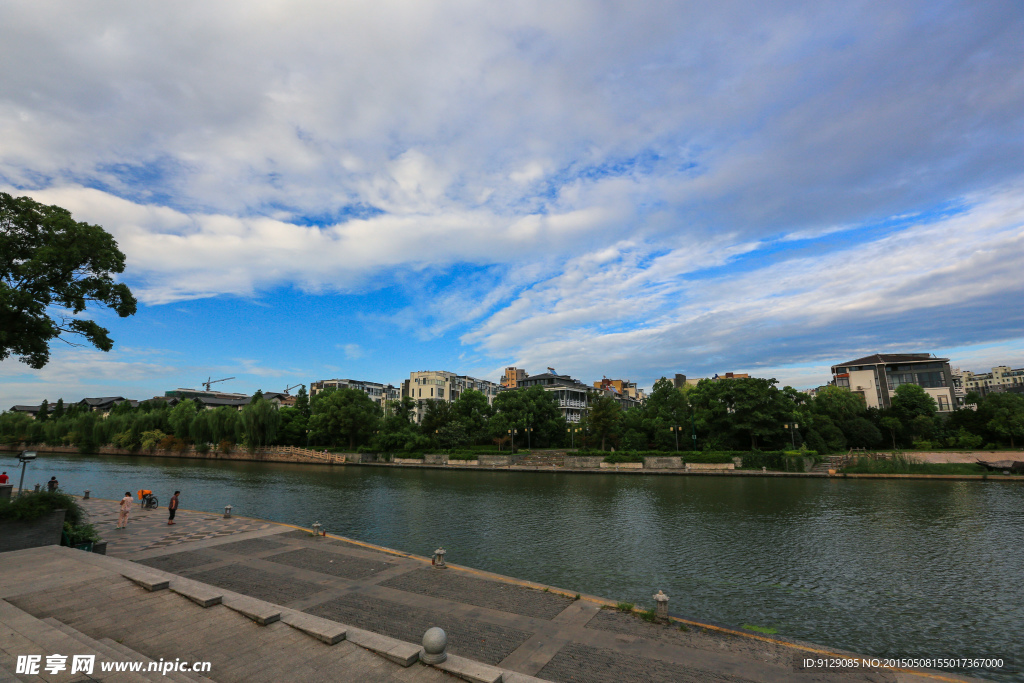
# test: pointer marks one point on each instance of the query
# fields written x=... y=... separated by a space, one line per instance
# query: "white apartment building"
x=440 y=385
x=1001 y=378
x=379 y=393
x=572 y=394
x=876 y=377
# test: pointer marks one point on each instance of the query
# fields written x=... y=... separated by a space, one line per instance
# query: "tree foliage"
x=48 y=262
x=343 y=415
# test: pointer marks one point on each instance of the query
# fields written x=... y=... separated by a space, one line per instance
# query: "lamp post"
x=792 y=427
x=675 y=431
x=24 y=457
x=512 y=434
x=694 y=426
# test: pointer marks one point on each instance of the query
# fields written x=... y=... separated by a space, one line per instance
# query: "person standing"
x=122 y=513
x=52 y=484
x=4 y=478
x=172 y=507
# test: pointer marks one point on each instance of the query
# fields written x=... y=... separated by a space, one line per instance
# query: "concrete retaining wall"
x=579 y=462
x=663 y=463
x=5 y=491
x=16 y=535
x=435 y=458
x=498 y=460
x=274 y=454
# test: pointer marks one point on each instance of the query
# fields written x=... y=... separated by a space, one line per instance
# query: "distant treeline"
x=722 y=415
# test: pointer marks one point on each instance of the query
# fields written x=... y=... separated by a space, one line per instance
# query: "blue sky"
x=341 y=190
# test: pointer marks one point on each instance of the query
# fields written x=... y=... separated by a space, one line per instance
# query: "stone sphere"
x=435 y=640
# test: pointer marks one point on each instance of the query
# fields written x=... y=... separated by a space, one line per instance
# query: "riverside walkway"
x=498 y=624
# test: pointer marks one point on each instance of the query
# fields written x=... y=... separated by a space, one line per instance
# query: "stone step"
x=31 y=636
x=108 y=653
x=125 y=651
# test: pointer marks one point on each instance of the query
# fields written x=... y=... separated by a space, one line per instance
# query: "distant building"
x=31 y=411
x=440 y=385
x=1000 y=379
x=876 y=377
x=104 y=404
x=182 y=394
x=512 y=377
x=572 y=394
x=379 y=393
x=622 y=386
x=681 y=380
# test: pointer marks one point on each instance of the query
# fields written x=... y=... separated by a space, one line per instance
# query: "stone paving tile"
x=324 y=562
x=459 y=587
x=257 y=583
x=149 y=528
x=180 y=561
x=466 y=637
x=306 y=536
x=576 y=663
x=250 y=546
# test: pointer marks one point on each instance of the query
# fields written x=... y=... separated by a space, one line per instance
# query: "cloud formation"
x=628 y=185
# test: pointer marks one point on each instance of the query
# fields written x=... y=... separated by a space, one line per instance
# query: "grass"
x=648 y=615
x=767 y=630
x=624 y=607
x=684 y=628
x=902 y=463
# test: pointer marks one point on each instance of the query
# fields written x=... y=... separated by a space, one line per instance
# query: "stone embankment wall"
x=274 y=454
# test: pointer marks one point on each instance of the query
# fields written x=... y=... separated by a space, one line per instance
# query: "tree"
x=473 y=412
x=1007 y=412
x=44 y=411
x=910 y=401
x=605 y=418
x=259 y=422
x=50 y=262
x=343 y=414
x=532 y=408
x=58 y=409
x=861 y=433
x=302 y=402
x=181 y=418
x=893 y=425
x=839 y=404
x=751 y=406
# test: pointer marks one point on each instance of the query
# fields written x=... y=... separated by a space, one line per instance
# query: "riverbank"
x=494 y=463
x=520 y=627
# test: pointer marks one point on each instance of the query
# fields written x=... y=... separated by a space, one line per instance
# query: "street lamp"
x=675 y=431
x=792 y=427
x=24 y=457
x=512 y=433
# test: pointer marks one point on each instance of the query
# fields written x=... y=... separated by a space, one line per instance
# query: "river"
x=885 y=567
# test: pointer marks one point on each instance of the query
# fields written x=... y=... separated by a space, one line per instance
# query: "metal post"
x=21 y=484
x=675 y=431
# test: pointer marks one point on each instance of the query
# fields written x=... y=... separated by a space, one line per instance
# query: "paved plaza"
x=517 y=628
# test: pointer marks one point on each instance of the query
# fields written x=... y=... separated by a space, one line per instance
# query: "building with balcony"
x=572 y=394
x=1001 y=378
x=379 y=393
x=512 y=377
x=876 y=377
x=440 y=385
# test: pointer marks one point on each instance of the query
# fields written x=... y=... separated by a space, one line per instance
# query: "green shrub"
x=32 y=506
x=80 y=533
x=648 y=615
x=624 y=457
x=906 y=464
x=624 y=607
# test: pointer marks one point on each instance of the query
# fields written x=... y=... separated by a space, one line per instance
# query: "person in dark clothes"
x=172 y=507
x=52 y=484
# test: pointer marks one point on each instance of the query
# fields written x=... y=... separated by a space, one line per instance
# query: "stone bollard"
x=661 y=607
x=764 y=469
x=316 y=529
x=227 y=512
x=435 y=642
x=37 y=487
x=438 y=560
x=86 y=496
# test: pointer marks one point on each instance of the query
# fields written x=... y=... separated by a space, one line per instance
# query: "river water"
x=886 y=567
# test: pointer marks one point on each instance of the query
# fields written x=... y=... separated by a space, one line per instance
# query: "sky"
x=359 y=190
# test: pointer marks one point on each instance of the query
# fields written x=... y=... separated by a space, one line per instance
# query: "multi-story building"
x=512 y=377
x=876 y=377
x=379 y=393
x=572 y=394
x=440 y=385
x=622 y=386
x=1001 y=378
x=681 y=380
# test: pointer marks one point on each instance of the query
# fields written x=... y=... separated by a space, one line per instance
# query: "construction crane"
x=287 y=389
x=209 y=381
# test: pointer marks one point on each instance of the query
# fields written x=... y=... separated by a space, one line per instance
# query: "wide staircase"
x=543 y=459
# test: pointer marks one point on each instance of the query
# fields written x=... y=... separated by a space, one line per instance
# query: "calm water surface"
x=887 y=568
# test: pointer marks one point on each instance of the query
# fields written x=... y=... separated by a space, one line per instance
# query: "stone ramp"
x=133 y=613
